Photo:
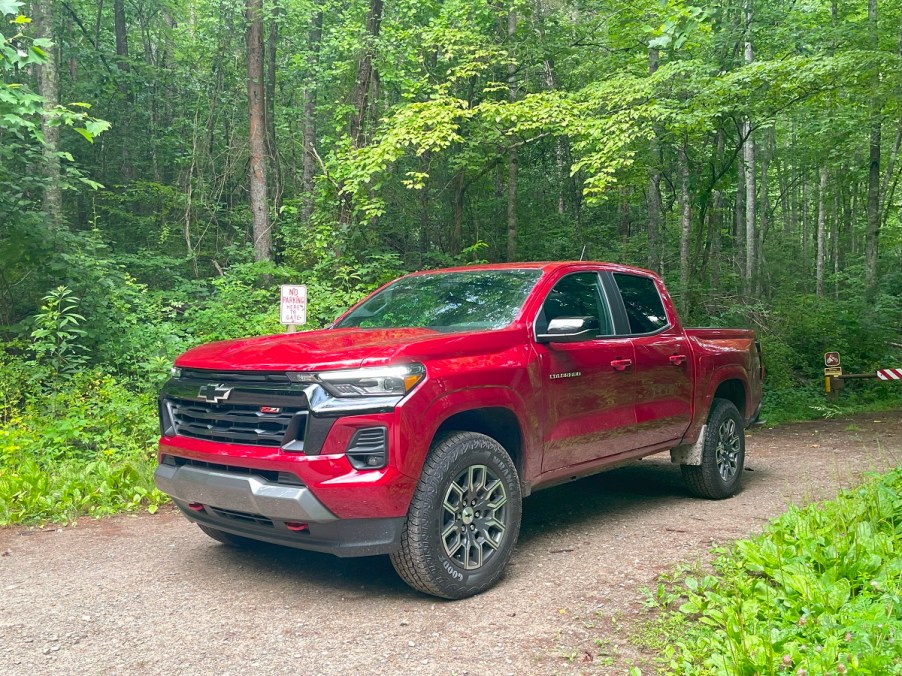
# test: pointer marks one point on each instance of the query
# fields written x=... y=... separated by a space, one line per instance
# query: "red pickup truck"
x=414 y=425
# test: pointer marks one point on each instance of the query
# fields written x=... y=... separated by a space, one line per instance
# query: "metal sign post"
x=293 y=306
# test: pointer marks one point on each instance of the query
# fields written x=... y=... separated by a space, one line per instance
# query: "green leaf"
x=9 y=7
x=84 y=132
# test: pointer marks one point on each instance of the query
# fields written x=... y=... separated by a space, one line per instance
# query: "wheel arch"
x=735 y=391
x=498 y=422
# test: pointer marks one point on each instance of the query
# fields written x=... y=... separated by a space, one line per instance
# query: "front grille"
x=236 y=423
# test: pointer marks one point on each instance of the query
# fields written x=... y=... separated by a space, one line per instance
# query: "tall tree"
x=653 y=195
x=873 y=206
x=48 y=88
x=121 y=31
x=685 y=225
x=365 y=84
x=262 y=231
x=272 y=148
x=749 y=161
x=512 y=158
x=314 y=39
x=821 y=232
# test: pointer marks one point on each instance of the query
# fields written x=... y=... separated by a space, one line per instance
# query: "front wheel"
x=723 y=454
x=463 y=520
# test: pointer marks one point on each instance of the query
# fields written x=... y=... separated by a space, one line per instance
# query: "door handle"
x=678 y=359
x=622 y=364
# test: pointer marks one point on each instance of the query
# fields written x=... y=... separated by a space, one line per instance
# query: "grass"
x=818 y=592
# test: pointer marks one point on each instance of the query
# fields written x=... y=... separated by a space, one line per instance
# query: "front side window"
x=447 y=301
x=577 y=295
x=643 y=303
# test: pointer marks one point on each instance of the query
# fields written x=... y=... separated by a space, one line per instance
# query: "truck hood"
x=342 y=348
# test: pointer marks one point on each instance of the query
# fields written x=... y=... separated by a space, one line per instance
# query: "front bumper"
x=250 y=494
x=252 y=507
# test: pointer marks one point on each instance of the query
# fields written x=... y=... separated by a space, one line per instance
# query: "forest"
x=166 y=164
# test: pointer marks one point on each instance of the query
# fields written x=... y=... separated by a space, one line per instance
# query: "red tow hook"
x=196 y=506
x=295 y=526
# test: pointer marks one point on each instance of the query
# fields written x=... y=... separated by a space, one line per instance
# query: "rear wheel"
x=723 y=454
x=227 y=538
x=463 y=520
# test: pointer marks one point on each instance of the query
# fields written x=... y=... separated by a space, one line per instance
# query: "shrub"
x=819 y=591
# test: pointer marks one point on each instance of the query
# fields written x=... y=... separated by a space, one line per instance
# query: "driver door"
x=588 y=387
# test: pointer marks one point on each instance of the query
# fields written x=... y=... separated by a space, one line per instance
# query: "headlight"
x=380 y=381
x=175 y=372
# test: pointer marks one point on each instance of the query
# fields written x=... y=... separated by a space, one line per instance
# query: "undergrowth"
x=83 y=447
x=818 y=592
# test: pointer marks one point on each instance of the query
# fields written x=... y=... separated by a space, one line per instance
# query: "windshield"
x=447 y=301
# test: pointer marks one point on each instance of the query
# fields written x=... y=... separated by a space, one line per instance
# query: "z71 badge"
x=570 y=374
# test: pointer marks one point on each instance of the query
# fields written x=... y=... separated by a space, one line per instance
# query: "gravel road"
x=152 y=594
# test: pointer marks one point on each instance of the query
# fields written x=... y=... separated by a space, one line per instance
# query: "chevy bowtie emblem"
x=214 y=393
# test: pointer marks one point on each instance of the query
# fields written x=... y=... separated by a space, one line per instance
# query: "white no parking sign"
x=293 y=306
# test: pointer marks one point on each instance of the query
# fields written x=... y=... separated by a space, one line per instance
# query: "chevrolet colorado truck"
x=415 y=424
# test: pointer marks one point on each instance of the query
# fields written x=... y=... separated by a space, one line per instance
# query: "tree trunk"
x=739 y=222
x=360 y=97
x=48 y=88
x=834 y=242
x=654 y=185
x=270 y=99
x=821 y=233
x=751 y=237
x=685 y=228
x=804 y=235
x=257 y=133
x=748 y=151
x=366 y=74
x=314 y=39
x=457 y=227
x=794 y=190
x=121 y=30
x=512 y=159
x=623 y=214
x=764 y=211
x=873 y=207
x=716 y=216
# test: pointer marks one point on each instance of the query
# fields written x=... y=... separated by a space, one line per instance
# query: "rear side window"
x=643 y=303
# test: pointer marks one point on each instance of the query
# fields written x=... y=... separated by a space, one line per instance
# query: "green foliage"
x=56 y=338
x=88 y=450
x=819 y=591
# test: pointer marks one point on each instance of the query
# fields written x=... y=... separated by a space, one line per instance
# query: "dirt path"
x=152 y=594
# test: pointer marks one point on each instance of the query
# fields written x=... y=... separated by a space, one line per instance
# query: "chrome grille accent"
x=235 y=423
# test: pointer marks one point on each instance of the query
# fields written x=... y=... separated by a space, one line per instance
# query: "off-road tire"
x=723 y=455
x=423 y=560
x=227 y=538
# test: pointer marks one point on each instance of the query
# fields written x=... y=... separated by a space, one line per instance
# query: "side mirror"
x=570 y=330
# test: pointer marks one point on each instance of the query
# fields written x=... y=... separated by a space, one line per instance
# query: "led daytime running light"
x=373 y=382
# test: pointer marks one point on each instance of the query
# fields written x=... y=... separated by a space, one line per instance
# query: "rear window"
x=644 y=307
